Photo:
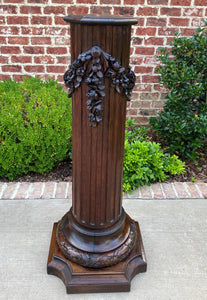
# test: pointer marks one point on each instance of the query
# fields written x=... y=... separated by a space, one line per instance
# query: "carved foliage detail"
x=95 y=260
x=90 y=67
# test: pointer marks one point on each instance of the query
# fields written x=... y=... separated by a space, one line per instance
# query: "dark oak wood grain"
x=96 y=246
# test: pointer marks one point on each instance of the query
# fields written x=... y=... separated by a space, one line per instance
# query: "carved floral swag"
x=91 y=66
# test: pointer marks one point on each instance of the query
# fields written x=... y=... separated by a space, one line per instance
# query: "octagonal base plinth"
x=78 y=279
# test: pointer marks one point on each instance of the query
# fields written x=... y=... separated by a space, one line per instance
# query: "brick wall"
x=34 y=39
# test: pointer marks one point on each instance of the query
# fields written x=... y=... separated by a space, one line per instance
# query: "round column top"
x=101 y=20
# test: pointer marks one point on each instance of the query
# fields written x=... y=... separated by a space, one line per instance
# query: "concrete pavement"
x=174 y=234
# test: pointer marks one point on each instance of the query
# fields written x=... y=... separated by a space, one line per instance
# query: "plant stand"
x=96 y=246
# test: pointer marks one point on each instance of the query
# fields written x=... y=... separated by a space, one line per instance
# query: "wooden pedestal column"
x=97 y=247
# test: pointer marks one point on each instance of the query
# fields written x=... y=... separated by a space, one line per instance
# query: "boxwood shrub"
x=183 y=121
x=35 y=126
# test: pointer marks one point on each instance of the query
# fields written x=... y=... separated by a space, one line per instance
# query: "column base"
x=79 y=279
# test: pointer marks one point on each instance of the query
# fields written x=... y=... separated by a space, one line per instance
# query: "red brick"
x=168 y=190
x=157 y=2
x=2 y=40
x=44 y=60
x=141 y=120
x=22 y=191
x=56 y=69
x=124 y=11
x=157 y=191
x=8 y=9
x=188 y=31
x=151 y=60
x=154 y=41
x=78 y=10
x=54 y=10
x=35 y=191
x=144 y=50
x=148 y=112
x=9 y=191
x=149 y=96
x=18 y=40
x=33 y=50
x=30 y=10
x=62 y=40
x=159 y=104
x=193 y=191
x=143 y=87
x=198 y=22
x=41 y=20
x=3 y=59
x=201 y=2
x=61 y=190
x=34 y=69
x=146 y=31
x=63 y=1
x=136 y=60
x=4 y=77
x=2 y=187
x=17 y=20
x=156 y=21
x=170 y=11
x=181 y=190
x=59 y=21
x=158 y=87
x=14 y=1
x=41 y=40
x=167 y=31
x=147 y=11
x=133 y=2
x=48 y=190
x=21 y=59
x=141 y=104
x=9 y=30
x=145 y=192
x=9 y=68
x=181 y=3
x=55 y=31
x=63 y=60
x=87 y=1
x=19 y=77
x=132 y=112
x=69 y=190
x=142 y=69
x=179 y=22
x=37 y=1
x=202 y=188
x=2 y=20
x=32 y=30
x=110 y=2
x=193 y=11
x=150 y=79
x=136 y=41
x=100 y=10
x=57 y=50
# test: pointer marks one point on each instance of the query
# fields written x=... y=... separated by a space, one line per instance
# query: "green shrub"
x=183 y=122
x=145 y=162
x=35 y=126
x=134 y=133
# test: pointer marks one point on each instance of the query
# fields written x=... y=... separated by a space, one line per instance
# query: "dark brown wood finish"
x=96 y=238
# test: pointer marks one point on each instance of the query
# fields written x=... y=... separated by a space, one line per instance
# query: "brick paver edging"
x=63 y=190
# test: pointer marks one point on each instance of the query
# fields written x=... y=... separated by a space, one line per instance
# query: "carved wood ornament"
x=90 y=67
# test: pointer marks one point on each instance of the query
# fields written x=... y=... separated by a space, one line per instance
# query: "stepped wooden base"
x=78 y=279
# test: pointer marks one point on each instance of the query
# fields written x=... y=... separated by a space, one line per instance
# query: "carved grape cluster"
x=92 y=66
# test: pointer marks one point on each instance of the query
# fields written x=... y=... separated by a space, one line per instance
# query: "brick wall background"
x=34 y=39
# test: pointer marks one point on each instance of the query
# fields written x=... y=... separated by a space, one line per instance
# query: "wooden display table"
x=96 y=246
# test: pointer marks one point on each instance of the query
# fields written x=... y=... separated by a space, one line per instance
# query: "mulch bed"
x=63 y=172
